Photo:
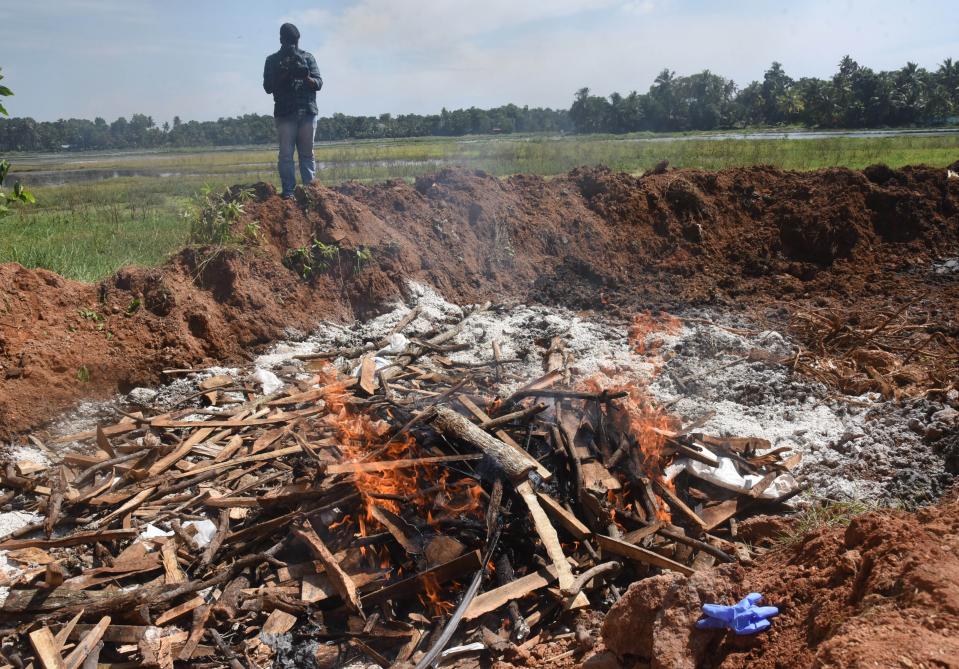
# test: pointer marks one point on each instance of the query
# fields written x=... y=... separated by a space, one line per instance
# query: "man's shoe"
x=287 y=196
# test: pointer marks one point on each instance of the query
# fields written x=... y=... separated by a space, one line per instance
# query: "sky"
x=203 y=59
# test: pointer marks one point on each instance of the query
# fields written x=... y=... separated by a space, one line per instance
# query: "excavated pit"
x=817 y=310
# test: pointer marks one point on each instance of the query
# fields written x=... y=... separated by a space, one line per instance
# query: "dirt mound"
x=882 y=592
x=593 y=239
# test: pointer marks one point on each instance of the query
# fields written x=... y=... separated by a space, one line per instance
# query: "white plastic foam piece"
x=397 y=344
x=727 y=476
x=268 y=380
x=205 y=530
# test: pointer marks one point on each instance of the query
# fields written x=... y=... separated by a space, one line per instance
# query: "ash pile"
x=386 y=503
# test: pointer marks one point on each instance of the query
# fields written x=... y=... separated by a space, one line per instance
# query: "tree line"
x=854 y=97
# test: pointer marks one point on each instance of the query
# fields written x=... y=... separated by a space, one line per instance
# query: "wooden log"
x=639 y=554
x=543 y=472
x=515 y=464
x=341 y=580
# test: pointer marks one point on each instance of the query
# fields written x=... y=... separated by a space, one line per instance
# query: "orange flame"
x=433 y=596
x=645 y=324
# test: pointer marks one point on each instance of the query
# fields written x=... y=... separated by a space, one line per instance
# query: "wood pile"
x=397 y=515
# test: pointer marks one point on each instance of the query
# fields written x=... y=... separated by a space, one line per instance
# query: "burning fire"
x=645 y=324
x=360 y=438
x=433 y=596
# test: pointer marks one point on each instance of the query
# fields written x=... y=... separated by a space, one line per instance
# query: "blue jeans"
x=296 y=132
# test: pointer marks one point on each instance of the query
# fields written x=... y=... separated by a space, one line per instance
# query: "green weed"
x=824 y=514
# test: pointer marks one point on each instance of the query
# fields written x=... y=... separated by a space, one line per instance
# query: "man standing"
x=293 y=78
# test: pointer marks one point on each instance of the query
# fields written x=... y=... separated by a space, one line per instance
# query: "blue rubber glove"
x=743 y=618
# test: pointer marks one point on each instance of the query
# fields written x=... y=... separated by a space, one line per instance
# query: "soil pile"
x=590 y=240
x=881 y=592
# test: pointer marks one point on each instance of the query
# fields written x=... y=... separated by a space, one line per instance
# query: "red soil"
x=883 y=592
x=591 y=240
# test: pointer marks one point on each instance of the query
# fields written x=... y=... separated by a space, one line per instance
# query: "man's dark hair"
x=289 y=34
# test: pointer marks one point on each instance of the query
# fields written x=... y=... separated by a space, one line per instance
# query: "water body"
x=78 y=168
x=41 y=178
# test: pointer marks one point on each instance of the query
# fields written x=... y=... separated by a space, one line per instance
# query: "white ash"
x=852 y=448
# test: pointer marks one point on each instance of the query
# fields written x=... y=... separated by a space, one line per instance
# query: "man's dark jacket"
x=291 y=94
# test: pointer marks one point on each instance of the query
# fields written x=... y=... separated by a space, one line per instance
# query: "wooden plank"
x=341 y=580
x=714 y=515
x=200 y=617
x=46 y=647
x=636 y=536
x=181 y=452
x=87 y=643
x=72 y=540
x=127 y=507
x=235 y=423
x=597 y=477
x=383 y=465
x=269 y=455
x=547 y=534
x=65 y=631
x=103 y=443
x=178 y=610
x=559 y=513
x=110 y=431
x=278 y=622
x=116 y=633
x=639 y=554
x=368 y=374
x=172 y=572
x=464 y=564
x=679 y=504
x=497 y=597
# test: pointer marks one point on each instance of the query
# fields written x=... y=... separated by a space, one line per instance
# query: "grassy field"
x=85 y=228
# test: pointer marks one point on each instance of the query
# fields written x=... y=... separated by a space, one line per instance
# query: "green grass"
x=86 y=230
x=824 y=514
